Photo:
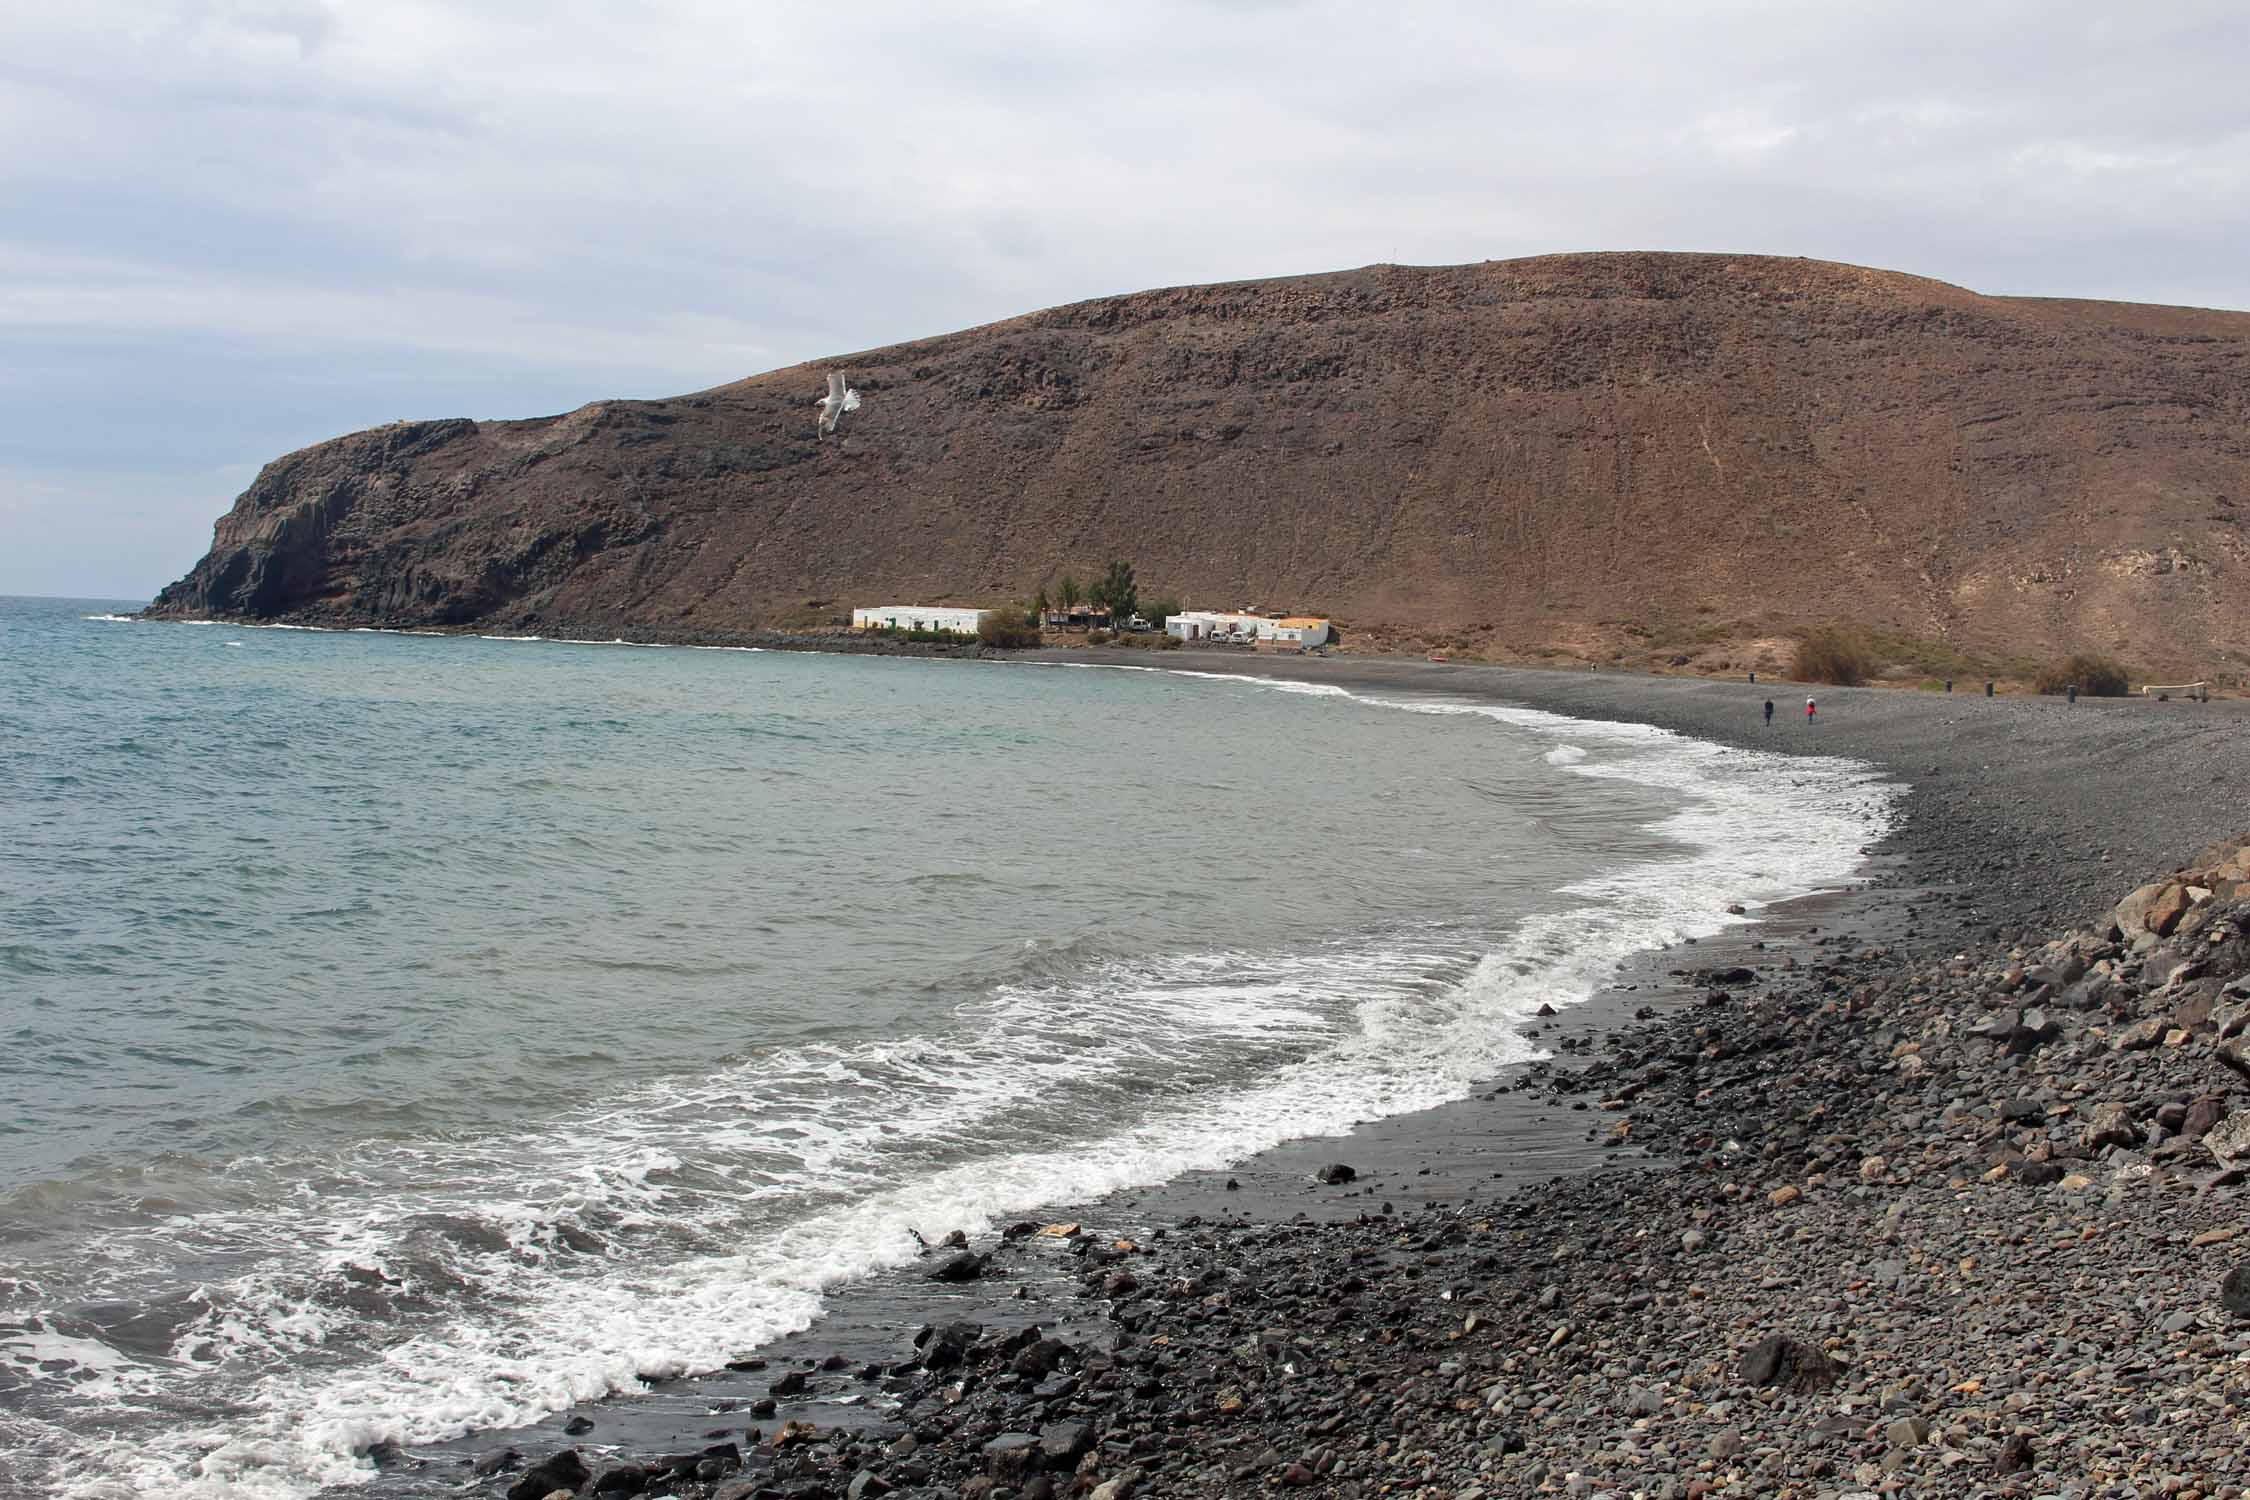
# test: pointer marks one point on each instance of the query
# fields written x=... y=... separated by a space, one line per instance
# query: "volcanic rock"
x=559 y=1471
x=1787 y=1362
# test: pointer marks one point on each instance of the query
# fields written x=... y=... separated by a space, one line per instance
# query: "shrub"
x=2096 y=676
x=1830 y=653
x=1097 y=637
x=1008 y=630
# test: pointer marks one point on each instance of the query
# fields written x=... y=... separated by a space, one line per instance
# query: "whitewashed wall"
x=919 y=617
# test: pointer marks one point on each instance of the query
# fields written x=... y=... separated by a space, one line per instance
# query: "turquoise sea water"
x=409 y=1035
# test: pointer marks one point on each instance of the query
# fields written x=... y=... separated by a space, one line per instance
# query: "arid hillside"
x=1577 y=454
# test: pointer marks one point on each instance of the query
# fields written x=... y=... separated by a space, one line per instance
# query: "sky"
x=230 y=228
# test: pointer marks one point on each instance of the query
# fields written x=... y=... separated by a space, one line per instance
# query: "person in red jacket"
x=1810 y=708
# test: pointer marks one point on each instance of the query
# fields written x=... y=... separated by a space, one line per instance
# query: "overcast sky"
x=229 y=228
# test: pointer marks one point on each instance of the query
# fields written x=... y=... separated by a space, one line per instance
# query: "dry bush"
x=1830 y=653
x=1008 y=630
x=2096 y=676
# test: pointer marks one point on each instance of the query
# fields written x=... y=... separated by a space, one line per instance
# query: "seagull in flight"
x=841 y=398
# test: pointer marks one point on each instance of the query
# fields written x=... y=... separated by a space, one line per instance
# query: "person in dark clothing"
x=1769 y=713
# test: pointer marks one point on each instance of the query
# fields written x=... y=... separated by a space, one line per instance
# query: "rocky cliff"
x=1581 y=454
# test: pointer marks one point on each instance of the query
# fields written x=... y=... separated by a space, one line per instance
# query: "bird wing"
x=851 y=399
x=835 y=387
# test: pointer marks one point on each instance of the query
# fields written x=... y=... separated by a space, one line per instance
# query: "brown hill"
x=1583 y=453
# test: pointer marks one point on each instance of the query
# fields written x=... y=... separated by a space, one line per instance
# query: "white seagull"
x=841 y=398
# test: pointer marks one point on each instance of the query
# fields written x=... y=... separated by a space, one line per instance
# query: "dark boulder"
x=559 y=1471
x=1336 y=1173
x=967 y=1266
x=1788 y=1363
x=1062 y=1444
x=2033 y=1029
x=944 y=1347
x=1007 y=1458
x=1037 y=1361
x=2234 y=1290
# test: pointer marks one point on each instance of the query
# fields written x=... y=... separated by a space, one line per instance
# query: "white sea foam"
x=844 y=1149
x=88 y=1359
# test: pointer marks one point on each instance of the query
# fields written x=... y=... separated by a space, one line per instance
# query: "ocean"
x=411 y=1036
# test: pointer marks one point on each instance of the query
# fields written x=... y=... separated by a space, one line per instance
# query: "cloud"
x=506 y=207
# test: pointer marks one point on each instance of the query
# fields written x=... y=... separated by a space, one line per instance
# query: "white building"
x=919 y=617
x=1214 y=625
x=1225 y=625
x=1307 y=631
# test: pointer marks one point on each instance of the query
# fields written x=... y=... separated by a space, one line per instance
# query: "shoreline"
x=2020 y=816
x=2014 y=822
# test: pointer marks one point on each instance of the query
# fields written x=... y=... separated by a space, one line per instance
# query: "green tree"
x=1161 y=611
x=1039 y=606
x=1068 y=591
x=1117 y=592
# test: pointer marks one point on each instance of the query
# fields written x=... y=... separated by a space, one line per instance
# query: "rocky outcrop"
x=2171 y=905
x=1580 y=452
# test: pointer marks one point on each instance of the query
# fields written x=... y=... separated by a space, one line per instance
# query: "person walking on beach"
x=1810 y=709
x=1769 y=713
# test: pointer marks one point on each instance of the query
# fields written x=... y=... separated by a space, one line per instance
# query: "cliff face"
x=1571 y=450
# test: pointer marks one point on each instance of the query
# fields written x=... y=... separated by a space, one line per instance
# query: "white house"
x=1213 y=625
x=1226 y=625
x=919 y=617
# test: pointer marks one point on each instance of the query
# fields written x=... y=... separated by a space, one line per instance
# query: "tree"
x=1161 y=611
x=1117 y=592
x=1068 y=590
